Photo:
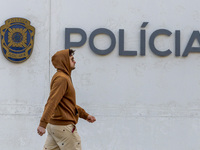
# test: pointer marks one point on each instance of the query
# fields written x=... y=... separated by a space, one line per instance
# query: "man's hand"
x=41 y=130
x=91 y=119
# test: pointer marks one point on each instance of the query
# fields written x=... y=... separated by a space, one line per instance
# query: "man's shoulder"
x=61 y=75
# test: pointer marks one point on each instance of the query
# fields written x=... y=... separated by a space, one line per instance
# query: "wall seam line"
x=49 y=40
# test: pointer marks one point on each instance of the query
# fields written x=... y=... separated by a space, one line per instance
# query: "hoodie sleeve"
x=82 y=113
x=58 y=89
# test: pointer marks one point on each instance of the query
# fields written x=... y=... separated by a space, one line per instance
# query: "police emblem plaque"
x=17 y=39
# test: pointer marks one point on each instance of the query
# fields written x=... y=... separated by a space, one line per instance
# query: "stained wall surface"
x=140 y=102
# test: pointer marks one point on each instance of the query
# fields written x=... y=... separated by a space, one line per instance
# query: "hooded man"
x=61 y=112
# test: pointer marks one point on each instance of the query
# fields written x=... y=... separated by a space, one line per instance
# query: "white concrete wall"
x=24 y=87
x=141 y=103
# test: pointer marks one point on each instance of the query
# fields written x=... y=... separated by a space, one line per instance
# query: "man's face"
x=72 y=62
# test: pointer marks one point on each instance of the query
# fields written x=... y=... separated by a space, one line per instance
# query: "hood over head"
x=61 y=61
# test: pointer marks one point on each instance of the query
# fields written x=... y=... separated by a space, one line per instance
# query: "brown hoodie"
x=61 y=108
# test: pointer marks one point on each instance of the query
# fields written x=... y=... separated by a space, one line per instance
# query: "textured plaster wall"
x=140 y=102
x=24 y=87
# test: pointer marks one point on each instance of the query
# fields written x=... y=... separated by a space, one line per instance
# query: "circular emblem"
x=17 y=39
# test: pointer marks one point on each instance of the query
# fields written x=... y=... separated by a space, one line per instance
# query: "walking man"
x=61 y=112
